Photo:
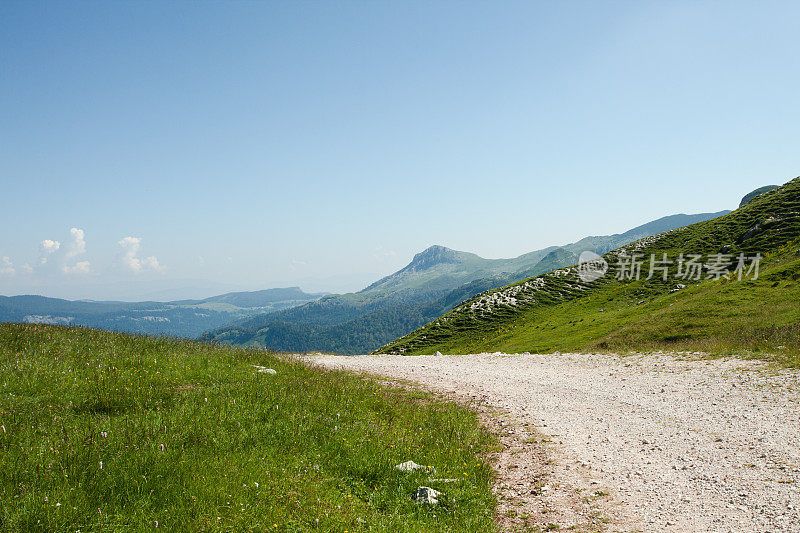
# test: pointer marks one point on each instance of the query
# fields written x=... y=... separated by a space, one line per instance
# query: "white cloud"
x=296 y=263
x=75 y=247
x=77 y=243
x=379 y=254
x=48 y=247
x=151 y=263
x=6 y=267
x=130 y=249
x=27 y=269
x=81 y=267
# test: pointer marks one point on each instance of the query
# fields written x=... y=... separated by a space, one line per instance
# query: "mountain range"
x=182 y=318
x=436 y=280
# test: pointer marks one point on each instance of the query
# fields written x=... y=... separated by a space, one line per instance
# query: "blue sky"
x=324 y=143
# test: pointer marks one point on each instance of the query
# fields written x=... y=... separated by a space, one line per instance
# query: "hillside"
x=432 y=283
x=107 y=432
x=560 y=311
x=185 y=318
x=761 y=190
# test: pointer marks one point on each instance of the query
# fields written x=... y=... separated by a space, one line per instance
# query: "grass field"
x=105 y=431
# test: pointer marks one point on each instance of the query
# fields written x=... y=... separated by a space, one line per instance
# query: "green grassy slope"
x=104 y=431
x=557 y=311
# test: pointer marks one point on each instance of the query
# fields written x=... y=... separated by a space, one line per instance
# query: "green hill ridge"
x=761 y=190
x=559 y=311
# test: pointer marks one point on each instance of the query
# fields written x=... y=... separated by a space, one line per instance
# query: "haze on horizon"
x=150 y=148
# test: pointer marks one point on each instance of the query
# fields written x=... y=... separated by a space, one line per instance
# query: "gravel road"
x=677 y=443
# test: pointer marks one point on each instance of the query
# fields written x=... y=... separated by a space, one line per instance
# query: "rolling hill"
x=184 y=318
x=436 y=280
x=558 y=310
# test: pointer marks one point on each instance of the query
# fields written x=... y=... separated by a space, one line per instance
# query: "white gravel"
x=683 y=444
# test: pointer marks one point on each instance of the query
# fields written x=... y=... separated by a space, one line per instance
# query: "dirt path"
x=651 y=443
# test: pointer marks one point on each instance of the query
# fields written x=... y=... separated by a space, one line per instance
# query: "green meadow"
x=104 y=431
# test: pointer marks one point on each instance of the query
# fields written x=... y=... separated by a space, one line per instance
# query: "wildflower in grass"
x=101 y=465
x=162 y=447
x=4 y=428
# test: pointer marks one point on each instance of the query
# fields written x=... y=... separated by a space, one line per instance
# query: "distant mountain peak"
x=432 y=256
x=425 y=261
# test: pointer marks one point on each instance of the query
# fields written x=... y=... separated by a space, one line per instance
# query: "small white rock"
x=411 y=466
x=426 y=495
